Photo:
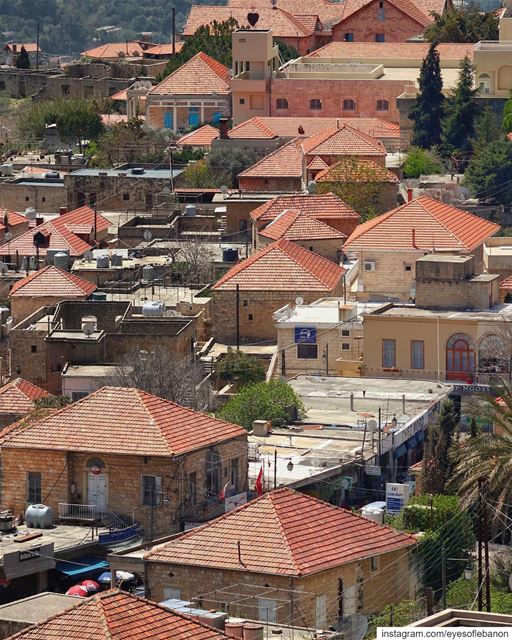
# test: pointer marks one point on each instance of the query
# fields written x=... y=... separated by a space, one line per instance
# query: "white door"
x=267 y=610
x=321 y=612
x=97 y=490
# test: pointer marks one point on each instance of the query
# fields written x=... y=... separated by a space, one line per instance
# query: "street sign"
x=396 y=497
x=372 y=470
x=305 y=335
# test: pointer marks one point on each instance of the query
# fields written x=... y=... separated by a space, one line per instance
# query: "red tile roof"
x=38 y=171
x=427 y=6
x=379 y=51
x=201 y=137
x=60 y=232
x=201 y=75
x=120 y=95
x=117 y=615
x=425 y=224
x=51 y=281
x=317 y=164
x=282 y=266
x=344 y=141
x=283 y=532
x=128 y=49
x=30 y=47
x=288 y=127
x=296 y=225
x=321 y=207
x=285 y=162
x=17 y=397
x=164 y=49
x=408 y=7
x=124 y=421
x=282 y=23
x=356 y=170
x=326 y=11
x=506 y=284
x=13 y=218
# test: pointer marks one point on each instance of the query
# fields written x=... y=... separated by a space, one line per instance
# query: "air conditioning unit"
x=369 y=265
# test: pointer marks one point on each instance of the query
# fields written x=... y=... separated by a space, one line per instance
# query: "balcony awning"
x=81 y=566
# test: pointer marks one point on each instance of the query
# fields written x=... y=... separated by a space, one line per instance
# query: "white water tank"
x=102 y=262
x=154 y=308
x=148 y=273
x=39 y=516
x=374 y=511
x=61 y=260
x=190 y=210
x=31 y=213
x=116 y=260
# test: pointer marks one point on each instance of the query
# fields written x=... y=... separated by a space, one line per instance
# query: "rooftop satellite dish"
x=88 y=255
x=88 y=329
x=299 y=300
x=372 y=425
x=223 y=189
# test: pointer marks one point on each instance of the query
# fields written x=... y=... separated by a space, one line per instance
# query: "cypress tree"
x=427 y=112
x=23 y=59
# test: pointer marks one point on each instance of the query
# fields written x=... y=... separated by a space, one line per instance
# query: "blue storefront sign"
x=305 y=334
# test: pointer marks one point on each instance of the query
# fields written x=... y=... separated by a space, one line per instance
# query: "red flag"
x=222 y=493
x=258 y=485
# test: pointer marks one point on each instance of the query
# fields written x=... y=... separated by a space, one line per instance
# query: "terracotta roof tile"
x=17 y=397
x=58 y=230
x=285 y=162
x=128 y=49
x=282 y=266
x=51 y=281
x=13 y=218
x=30 y=47
x=283 y=532
x=355 y=170
x=117 y=615
x=164 y=49
x=295 y=225
x=506 y=284
x=124 y=421
x=201 y=137
x=379 y=51
x=38 y=171
x=328 y=12
x=319 y=206
x=343 y=140
x=201 y=75
x=408 y=7
x=425 y=224
x=427 y=6
x=317 y=164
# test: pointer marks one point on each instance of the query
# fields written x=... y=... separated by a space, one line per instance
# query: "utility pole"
x=37 y=47
x=486 y=549
x=480 y=534
x=275 y=468
x=283 y=363
x=152 y=514
x=443 y=574
x=326 y=354
x=173 y=30
x=237 y=296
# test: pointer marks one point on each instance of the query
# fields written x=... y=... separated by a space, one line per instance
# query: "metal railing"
x=86 y=512
x=111 y=520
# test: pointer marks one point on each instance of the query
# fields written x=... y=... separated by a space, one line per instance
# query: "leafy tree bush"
x=241 y=368
x=507 y=116
x=461 y=594
x=23 y=59
x=437 y=464
x=52 y=402
x=401 y=614
x=486 y=129
x=467 y=24
x=427 y=111
x=275 y=401
x=488 y=173
x=221 y=166
x=421 y=162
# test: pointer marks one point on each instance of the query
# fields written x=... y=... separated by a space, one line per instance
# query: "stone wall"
x=24 y=306
x=278 y=184
x=330 y=248
x=43 y=198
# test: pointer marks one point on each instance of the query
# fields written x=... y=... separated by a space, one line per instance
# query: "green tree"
x=213 y=39
x=462 y=593
x=436 y=462
x=275 y=401
x=467 y=24
x=507 y=115
x=23 y=59
x=421 y=162
x=486 y=129
x=226 y=164
x=287 y=51
x=460 y=113
x=197 y=175
x=52 y=402
x=488 y=173
x=427 y=111
x=241 y=368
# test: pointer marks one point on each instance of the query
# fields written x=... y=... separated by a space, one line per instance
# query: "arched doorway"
x=460 y=358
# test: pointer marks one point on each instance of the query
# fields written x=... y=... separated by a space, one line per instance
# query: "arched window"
x=382 y=105
x=315 y=104
x=213 y=473
x=349 y=105
x=281 y=103
x=492 y=355
x=484 y=83
x=460 y=357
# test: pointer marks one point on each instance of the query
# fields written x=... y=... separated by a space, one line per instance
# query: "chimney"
x=253 y=631
x=14 y=47
x=223 y=128
x=409 y=194
x=234 y=630
x=403 y=402
x=337 y=123
x=39 y=220
x=351 y=401
x=62 y=210
x=260 y=428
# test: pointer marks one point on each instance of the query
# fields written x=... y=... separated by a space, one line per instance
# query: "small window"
x=307 y=351
x=192 y=487
x=34 y=487
x=151 y=491
x=349 y=37
x=234 y=472
x=126 y=196
x=315 y=104
x=380 y=37
x=27 y=198
x=345 y=332
x=389 y=354
x=78 y=395
x=33 y=348
x=345 y=346
x=408 y=267
x=281 y=103
x=43 y=199
x=242 y=100
x=250 y=316
x=374 y=563
x=349 y=105
x=417 y=354
x=244 y=303
x=382 y=105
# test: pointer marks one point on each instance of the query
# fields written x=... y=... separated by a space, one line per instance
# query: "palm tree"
x=488 y=455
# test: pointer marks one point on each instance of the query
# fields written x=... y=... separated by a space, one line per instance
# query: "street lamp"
x=394 y=422
x=289 y=466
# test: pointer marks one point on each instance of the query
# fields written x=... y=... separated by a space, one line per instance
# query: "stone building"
x=46 y=287
x=17 y=399
x=287 y=557
x=389 y=245
x=16 y=223
x=44 y=194
x=169 y=461
x=245 y=298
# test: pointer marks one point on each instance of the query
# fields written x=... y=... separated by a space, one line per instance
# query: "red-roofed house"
x=331 y=562
x=17 y=399
x=271 y=278
x=196 y=93
x=46 y=287
x=16 y=223
x=306 y=231
x=117 y=615
x=159 y=453
x=389 y=245
x=199 y=138
x=74 y=232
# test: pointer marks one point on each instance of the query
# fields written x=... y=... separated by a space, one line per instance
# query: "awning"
x=81 y=565
x=400 y=451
